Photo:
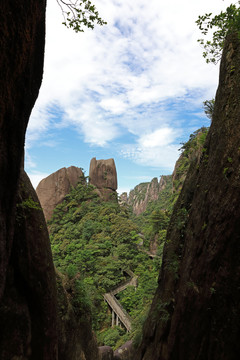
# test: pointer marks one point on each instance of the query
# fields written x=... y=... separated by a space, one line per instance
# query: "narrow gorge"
x=172 y=246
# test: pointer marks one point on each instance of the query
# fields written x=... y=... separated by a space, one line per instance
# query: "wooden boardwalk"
x=118 y=312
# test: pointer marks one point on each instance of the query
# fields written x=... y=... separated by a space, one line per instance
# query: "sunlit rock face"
x=144 y=193
x=103 y=175
x=52 y=190
x=196 y=309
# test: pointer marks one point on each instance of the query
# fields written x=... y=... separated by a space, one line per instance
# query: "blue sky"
x=131 y=90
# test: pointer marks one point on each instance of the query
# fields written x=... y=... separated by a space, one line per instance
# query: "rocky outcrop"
x=125 y=352
x=103 y=175
x=52 y=190
x=144 y=193
x=28 y=305
x=105 y=353
x=137 y=197
x=196 y=309
x=191 y=153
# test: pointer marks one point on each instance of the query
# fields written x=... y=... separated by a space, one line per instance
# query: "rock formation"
x=144 y=193
x=105 y=353
x=31 y=317
x=28 y=307
x=52 y=190
x=125 y=352
x=103 y=175
x=22 y=35
x=192 y=151
x=196 y=309
x=27 y=288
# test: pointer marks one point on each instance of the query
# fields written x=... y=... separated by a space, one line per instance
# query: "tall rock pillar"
x=103 y=175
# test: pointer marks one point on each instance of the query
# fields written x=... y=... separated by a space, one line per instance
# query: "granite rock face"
x=52 y=190
x=27 y=283
x=28 y=305
x=22 y=38
x=144 y=193
x=103 y=175
x=196 y=309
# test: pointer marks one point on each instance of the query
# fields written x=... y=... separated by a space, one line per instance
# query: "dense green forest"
x=96 y=243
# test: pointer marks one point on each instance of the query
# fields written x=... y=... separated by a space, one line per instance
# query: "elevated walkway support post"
x=113 y=318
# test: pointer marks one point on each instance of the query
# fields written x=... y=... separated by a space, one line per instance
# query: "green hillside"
x=95 y=242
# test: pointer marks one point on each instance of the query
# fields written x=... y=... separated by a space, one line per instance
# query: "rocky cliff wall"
x=52 y=190
x=28 y=316
x=196 y=309
x=22 y=36
x=27 y=300
x=144 y=193
x=28 y=306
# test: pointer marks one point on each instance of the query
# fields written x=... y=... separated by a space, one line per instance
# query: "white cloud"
x=36 y=177
x=114 y=105
x=117 y=78
x=156 y=149
x=158 y=157
x=159 y=137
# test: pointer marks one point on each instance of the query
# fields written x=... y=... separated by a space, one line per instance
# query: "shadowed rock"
x=196 y=309
x=28 y=319
x=105 y=353
x=125 y=352
x=27 y=283
x=28 y=306
x=22 y=37
x=52 y=190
